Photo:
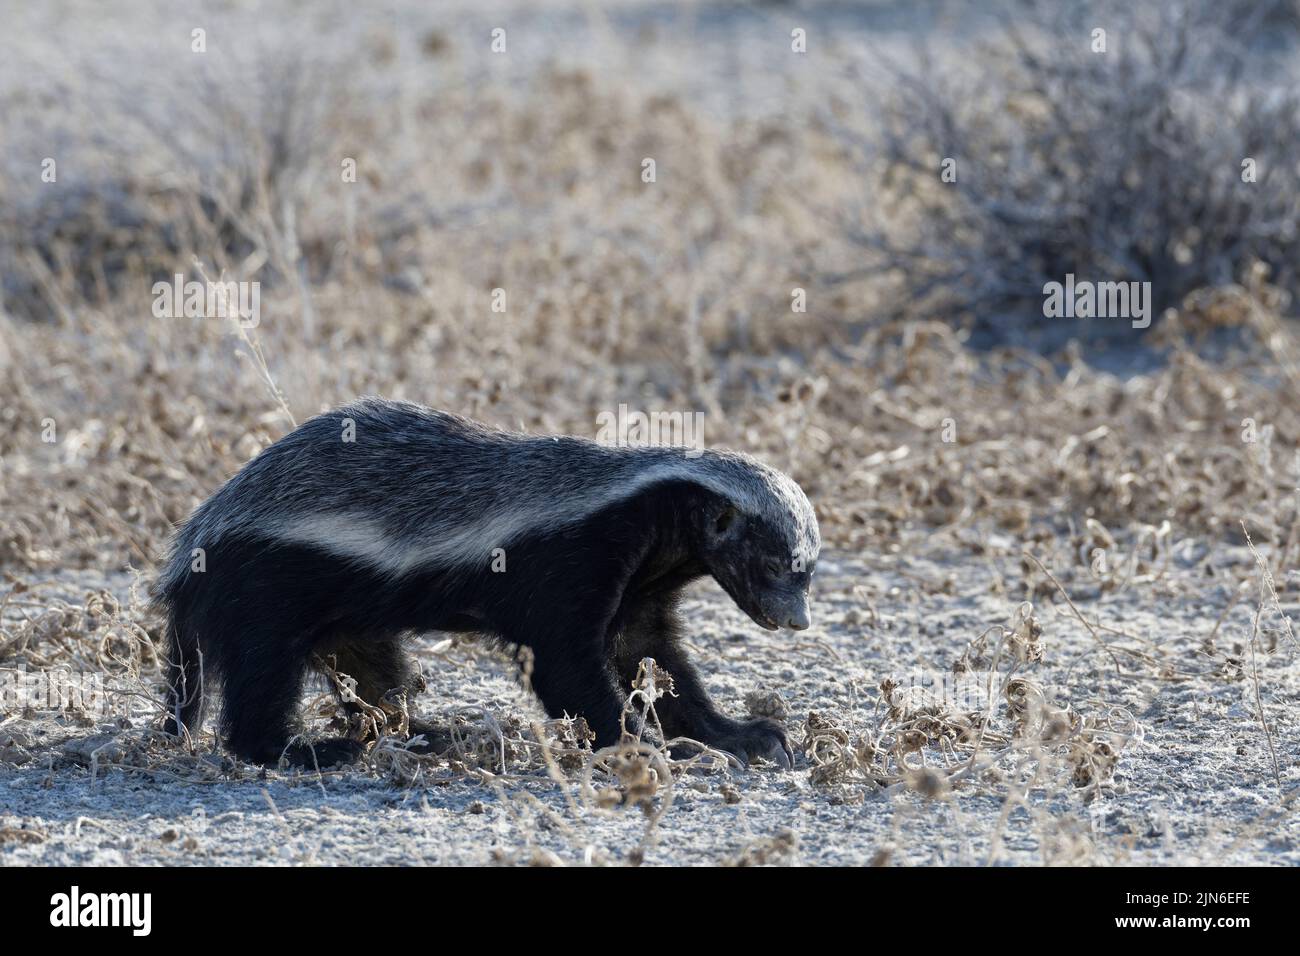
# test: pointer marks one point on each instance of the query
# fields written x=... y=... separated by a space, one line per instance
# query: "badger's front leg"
x=568 y=670
x=652 y=628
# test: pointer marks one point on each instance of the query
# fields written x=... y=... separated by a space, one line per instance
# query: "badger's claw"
x=784 y=757
x=761 y=737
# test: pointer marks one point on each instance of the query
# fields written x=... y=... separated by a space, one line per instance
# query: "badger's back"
x=415 y=487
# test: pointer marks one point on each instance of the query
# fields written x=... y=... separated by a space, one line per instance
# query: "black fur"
x=590 y=601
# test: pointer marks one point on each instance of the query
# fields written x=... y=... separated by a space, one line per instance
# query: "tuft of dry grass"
x=929 y=744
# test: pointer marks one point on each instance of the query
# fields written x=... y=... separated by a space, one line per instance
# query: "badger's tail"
x=184 y=670
x=184 y=676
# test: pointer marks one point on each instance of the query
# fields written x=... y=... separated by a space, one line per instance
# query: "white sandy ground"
x=1197 y=787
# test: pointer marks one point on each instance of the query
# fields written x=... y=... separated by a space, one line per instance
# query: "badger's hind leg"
x=378 y=666
x=262 y=683
x=263 y=678
x=381 y=667
x=261 y=610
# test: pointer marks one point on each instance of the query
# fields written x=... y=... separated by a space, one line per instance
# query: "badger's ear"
x=723 y=520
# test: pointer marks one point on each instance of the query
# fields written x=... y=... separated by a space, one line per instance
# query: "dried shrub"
x=1122 y=165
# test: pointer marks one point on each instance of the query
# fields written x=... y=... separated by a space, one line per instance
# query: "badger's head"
x=759 y=540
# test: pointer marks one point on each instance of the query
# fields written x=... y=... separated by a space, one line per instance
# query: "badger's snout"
x=794 y=613
x=787 y=610
x=797 y=618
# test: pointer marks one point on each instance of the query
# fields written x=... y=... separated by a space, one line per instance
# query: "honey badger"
x=381 y=519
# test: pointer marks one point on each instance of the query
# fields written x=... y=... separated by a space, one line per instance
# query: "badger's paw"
x=329 y=752
x=762 y=737
x=429 y=738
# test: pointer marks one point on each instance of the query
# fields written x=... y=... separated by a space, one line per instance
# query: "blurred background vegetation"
x=775 y=171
